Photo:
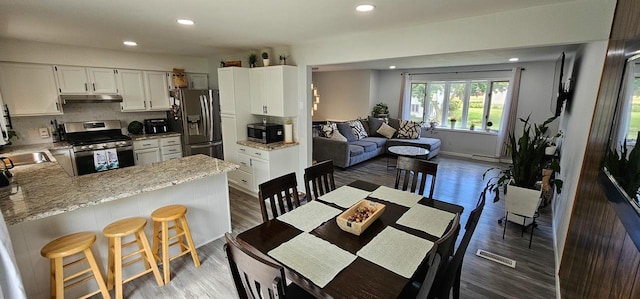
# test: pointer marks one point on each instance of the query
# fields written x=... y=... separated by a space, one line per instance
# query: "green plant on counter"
x=380 y=109
x=253 y=59
x=265 y=55
x=624 y=166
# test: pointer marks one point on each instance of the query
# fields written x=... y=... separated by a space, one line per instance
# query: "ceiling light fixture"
x=185 y=22
x=392 y=67
x=130 y=43
x=365 y=7
x=514 y=59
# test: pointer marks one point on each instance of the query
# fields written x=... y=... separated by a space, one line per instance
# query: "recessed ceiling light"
x=365 y=7
x=392 y=67
x=514 y=59
x=185 y=22
x=130 y=43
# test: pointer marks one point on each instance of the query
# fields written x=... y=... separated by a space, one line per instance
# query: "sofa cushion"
x=358 y=129
x=394 y=123
x=374 y=125
x=367 y=145
x=355 y=150
x=328 y=129
x=345 y=130
x=337 y=136
x=409 y=130
x=386 y=131
x=379 y=141
x=365 y=125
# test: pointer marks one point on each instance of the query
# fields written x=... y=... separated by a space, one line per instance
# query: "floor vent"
x=496 y=258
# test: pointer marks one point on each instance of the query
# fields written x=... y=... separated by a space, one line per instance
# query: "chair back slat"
x=282 y=195
x=319 y=179
x=449 y=276
x=253 y=276
x=409 y=170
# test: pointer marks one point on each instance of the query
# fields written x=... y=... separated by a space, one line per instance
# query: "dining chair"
x=319 y=179
x=521 y=206
x=448 y=277
x=410 y=169
x=282 y=194
x=255 y=277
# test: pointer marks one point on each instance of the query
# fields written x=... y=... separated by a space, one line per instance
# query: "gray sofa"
x=347 y=153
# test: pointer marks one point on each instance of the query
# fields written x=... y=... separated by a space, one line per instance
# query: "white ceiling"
x=222 y=26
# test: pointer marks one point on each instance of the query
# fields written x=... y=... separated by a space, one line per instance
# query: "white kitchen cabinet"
x=29 y=89
x=274 y=90
x=258 y=166
x=147 y=156
x=229 y=137
x=152 y=150
x=198 y=81
x=144 y=90
x=233 y=83
x=86 y=80
x=157 y=90
x=170 y=148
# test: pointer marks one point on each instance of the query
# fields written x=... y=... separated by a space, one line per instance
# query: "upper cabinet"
x=198 y=81
x=274 y=90
x=29 y=89
x=86 y=80
x=233 y=83
x=144 y=90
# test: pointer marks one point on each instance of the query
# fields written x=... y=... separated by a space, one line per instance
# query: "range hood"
x=91 y=98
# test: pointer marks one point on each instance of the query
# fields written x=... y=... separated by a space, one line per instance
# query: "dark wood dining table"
x=362 y=278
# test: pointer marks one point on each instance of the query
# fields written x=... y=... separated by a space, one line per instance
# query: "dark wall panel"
x=600 y=260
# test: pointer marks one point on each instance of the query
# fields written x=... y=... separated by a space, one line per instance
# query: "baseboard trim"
x=472 y=156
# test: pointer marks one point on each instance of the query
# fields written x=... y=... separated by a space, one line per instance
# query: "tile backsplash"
x=27 y=126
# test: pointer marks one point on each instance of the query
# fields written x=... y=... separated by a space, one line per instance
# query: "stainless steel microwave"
x=265 y=133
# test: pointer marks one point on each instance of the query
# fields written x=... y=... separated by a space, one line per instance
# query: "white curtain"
x=508 y=122
x=405 y=97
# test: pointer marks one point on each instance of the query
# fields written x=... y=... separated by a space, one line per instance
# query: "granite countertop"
x=43 y=190
x=266 y=147
x=153 y=136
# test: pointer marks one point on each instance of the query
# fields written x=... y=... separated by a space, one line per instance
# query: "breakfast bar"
x=43 y=203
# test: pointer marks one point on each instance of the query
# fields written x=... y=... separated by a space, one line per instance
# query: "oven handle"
x=90 y=153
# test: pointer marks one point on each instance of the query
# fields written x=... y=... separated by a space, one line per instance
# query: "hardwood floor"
x=459 y=181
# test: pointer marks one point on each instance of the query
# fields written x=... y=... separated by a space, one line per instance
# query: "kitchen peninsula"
x=45 y=203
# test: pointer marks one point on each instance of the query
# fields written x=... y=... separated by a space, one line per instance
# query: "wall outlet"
x=44 y=132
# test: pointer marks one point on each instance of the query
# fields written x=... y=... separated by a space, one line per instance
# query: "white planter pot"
x=521 y=201
x=265 y=62
x=550 y=150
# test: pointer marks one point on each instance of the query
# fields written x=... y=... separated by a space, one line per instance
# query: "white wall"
x=344 y=95
x=575 y=124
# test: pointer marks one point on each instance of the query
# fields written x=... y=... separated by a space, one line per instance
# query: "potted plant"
x=527 y=155
x=452 y=121
x=551 y=149
x=283 y=59
x=265 y=58
x=253 y=58
x=472 y=127
x=221 y=63
x=380 y=110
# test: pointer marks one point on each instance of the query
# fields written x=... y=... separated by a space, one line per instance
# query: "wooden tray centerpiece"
x=356 y=219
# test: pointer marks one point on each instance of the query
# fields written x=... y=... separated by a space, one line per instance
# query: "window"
x=469 y=102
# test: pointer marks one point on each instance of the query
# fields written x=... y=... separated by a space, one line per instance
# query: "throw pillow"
x=337 y=136
x=345 y=130
x=365 y=125
x=358 y=129
x=386 y=130
x=409 y=130
x=328 y=129
x=394 y=123
x=374 y=125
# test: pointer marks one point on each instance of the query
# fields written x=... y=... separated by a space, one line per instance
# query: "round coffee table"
x=407 y=151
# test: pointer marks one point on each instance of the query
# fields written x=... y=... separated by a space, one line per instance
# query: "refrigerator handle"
x=203 y=111
x=211 y=116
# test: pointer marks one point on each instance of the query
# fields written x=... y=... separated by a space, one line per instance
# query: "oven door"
x=83 y=162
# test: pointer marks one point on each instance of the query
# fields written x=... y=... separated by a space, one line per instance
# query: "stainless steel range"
x=98 y=146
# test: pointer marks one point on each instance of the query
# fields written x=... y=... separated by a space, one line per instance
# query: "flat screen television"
x=561 y=90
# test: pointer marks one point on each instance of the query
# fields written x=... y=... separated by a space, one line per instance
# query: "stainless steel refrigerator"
x=196 y=115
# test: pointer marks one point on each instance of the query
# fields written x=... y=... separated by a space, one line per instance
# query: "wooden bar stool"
x=161 y=218
x=115 y=232
x=66 y=246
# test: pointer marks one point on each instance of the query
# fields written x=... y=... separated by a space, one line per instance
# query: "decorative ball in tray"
x=356 y=219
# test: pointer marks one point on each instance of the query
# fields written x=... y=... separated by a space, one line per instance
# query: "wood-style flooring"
x=459 y=181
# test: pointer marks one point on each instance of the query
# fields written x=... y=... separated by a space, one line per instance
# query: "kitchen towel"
x=112 y=159
x=100 y=160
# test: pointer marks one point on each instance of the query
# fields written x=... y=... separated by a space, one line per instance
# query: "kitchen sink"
x=29 y=158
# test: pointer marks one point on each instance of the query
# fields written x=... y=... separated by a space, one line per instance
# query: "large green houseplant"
x=528 y=160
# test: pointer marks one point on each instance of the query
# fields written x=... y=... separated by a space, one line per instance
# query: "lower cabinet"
x=258 y=166
x=154 y=150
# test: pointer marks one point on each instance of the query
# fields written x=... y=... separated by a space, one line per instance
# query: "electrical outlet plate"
x=44 y=132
